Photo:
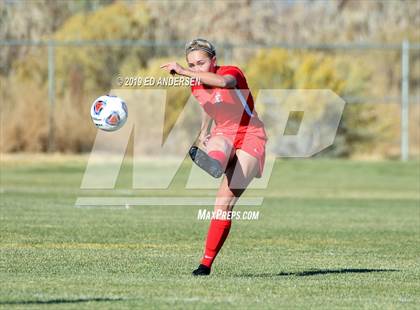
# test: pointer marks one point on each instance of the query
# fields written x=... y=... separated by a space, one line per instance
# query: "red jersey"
x=232 y=109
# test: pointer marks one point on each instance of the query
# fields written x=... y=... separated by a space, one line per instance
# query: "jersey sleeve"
x=195 y=88
x=233 y=71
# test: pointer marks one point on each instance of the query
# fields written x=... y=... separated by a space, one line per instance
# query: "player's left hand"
x=204 y=139
x=173 y=67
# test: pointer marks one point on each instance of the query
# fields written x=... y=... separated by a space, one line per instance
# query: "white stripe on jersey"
x=243 y=101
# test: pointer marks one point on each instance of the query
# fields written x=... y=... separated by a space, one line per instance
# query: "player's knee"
x=239 y=181
x=220 y=144
x=225 y=200
x=243 y=175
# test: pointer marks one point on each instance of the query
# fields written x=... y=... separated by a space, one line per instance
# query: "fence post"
x=51 y=96
x=405 y=72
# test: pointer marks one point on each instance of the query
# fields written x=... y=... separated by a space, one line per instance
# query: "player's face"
x=199 y=61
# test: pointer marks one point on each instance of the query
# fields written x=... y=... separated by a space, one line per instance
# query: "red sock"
x=220 y=156
x=216 y=236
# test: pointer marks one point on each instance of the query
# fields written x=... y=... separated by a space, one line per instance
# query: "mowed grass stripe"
x=331 y=234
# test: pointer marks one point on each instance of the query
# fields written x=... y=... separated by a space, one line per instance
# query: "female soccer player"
x=236 y=144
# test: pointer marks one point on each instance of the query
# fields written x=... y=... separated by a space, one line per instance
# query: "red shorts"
x=251 y=143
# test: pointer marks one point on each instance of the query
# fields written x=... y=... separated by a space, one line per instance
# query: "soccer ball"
x=109 y=113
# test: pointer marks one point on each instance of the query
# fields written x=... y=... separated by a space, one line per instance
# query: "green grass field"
x=331 y=234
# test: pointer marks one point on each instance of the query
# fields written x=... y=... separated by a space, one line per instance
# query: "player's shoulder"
x=233 y=69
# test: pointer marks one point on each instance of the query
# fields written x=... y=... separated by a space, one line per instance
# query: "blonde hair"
x=200 y=45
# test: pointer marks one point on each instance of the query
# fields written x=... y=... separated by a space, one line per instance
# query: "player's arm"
x=211 y=79
x=208 y=78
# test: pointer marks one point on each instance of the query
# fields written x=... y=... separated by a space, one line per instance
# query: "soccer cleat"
x=205 y=162
x=202 y=270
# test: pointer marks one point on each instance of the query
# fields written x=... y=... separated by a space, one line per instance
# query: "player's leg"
x=241 y=174
x=220 y=148
x=238 y=176
x=213 y=157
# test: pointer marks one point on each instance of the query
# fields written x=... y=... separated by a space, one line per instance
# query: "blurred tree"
x=97 y=66
x=282 y=69
x=85 y=72
x=305 y=21
x=176 y=98
x=34 y=20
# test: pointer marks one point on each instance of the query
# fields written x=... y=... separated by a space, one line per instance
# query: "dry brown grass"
x=24 y=120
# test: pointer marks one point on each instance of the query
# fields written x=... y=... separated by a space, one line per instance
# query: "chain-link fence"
x=62 y=65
